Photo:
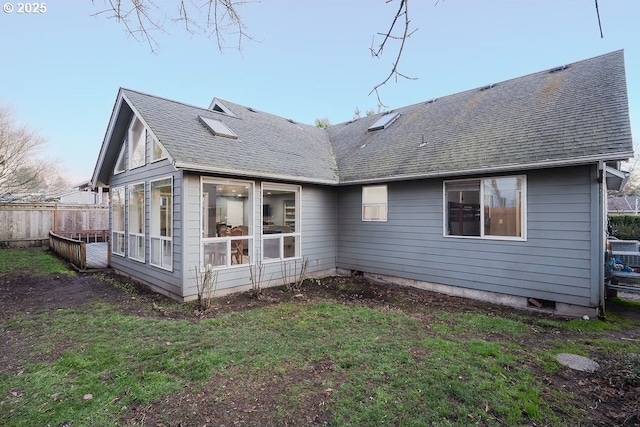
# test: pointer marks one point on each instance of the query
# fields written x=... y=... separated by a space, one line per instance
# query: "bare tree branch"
x=211 y=18
x=21 y=170
x=599 y=23
x=403 y=12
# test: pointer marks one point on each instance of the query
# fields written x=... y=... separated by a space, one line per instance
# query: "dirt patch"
x=612 y=399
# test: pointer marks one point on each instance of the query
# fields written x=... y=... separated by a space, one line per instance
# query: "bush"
x=625 y=227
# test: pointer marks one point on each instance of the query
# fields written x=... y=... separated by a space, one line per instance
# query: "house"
x=82 y=193
x=496 y=193
x=629 y=205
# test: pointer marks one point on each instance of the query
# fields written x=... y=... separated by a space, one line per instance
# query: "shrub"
x=625 y=227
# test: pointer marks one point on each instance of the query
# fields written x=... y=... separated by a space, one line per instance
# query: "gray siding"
x=319 y=227
x=318 y=237
x=168 y=281
x=554 y=263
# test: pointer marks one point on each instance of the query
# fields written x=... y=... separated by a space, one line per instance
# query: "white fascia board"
x=251 y=174
x=107 y=137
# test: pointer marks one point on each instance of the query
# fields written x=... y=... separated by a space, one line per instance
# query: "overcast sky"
x=60 y=70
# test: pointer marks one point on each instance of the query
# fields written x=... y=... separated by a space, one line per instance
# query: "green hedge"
x=625 y=227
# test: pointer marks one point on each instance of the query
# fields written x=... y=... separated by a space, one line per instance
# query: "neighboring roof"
x=623 y=204
x=573 y=115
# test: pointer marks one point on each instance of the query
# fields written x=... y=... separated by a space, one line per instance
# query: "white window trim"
x=153 y=237
x=142 y=138
x=280 y=236
x=482 y=236
x=378 y=205
x=144 y=216
x=250 y=237
x=121 y=233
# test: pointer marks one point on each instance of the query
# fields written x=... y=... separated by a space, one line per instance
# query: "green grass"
x=385 y=368
x=124 y=360
x=33 y=261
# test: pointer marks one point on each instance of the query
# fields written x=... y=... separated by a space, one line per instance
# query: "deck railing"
x=74 y=251
x=87 y=236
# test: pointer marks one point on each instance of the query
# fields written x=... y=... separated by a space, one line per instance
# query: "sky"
x=60 y=70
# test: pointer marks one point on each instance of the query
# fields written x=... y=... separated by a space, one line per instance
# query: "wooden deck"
x=97 y=256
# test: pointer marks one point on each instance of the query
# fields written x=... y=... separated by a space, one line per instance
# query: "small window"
x=137 y=140
x=159 y=152
x=218 y=128
x=488 y=207
x=120 y=162
x=374 y=203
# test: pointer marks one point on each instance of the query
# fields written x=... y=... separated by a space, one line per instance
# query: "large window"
x=136 y=222
x=117 y=220
x=374 y=203
x=487 y=207
x=280 y=222
x=161 y=223
x=137 y=143
x=227 y=234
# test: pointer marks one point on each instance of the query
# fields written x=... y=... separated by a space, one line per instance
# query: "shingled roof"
x=571 y=115
x=267 y=145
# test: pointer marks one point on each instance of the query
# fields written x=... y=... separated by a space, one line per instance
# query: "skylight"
x=384 y=121
x=218 y=128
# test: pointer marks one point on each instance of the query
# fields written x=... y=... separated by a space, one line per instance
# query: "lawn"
x=340 y=352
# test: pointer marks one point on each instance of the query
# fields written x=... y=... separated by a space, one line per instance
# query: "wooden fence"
x=28 y=224
x=74 y=251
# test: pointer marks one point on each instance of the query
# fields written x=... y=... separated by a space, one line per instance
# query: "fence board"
x=29 y=223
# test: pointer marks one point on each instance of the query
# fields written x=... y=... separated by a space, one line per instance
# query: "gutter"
x=492 y=169
x=248 y=174
x=337 y=182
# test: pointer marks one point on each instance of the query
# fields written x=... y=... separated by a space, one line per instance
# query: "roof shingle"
x=575 y=115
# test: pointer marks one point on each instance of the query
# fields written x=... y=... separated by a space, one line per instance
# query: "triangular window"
x=137 y=143
x=159 y=152
x=120 y=163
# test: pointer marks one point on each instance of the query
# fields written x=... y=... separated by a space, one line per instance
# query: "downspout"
x=602 y=233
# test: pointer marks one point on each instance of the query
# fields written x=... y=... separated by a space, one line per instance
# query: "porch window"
x=487 y=207
x=117 y=220
x=137 y=146
x=136 y=222
x=161 y=223
x=280 y=222
x=227 y=233
x=374 y=203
